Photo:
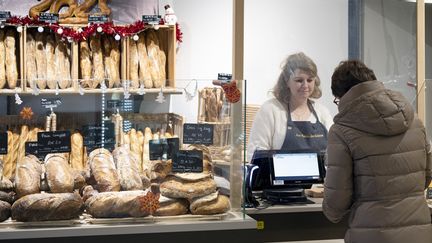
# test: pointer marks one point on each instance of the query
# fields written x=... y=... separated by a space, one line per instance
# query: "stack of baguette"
x=8 y=60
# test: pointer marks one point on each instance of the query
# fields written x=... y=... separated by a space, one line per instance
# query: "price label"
x=164 y=148
x=98 y=19
x=33 y=148
x=127 y=125
x=151 y=19
x=3 y=143
x=4 y=15
x=224 y=76
x=429 y=193
x=96 y=136
x=54 y=142
x=126 y=105
x=49 y=103
x=49 y=17
x=188 y=161
x=198 y=133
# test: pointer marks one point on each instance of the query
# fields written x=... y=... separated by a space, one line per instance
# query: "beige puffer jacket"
x=377 y=166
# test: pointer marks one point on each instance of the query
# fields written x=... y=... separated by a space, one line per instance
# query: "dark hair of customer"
x=348 y=74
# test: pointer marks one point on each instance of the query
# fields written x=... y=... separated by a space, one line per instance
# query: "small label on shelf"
x=164 y=148
x=151 y=19
x=49 y=103
x=33 y=148
x=4 y=15
x=96 y=137
x=3 y=142
x=188 y=161
x=224 y=76
x=126 y=105
x=127 y=125
x=49 y=17
x=429 y=193
x=98 y=19
x=198 y=133
x=54 y=142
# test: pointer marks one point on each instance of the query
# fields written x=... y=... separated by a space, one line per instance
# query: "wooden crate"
x=19 y=57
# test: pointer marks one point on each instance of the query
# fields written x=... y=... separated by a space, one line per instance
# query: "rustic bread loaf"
x=5 y=210
x=210 y=204
x=127 y=169
x=102 y=169
x=171 y=206
x=2 y=60
x=41 y=60
x=10 y=59
x=59 y=174
x=27 y=177
x=177 y=188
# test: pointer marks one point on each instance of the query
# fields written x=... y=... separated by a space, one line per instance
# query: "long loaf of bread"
x=115 y=61
x=146 y=165
x=11 y=63
x=62 y=64
x=41 y=61
x=133 y=64
x=152 y=44
x=31 y=71
x=2 y=60
x=28 y=173
x=98 y=66
x=50 y=56
x=85 y=64
x=23 y=138
x=106 y=44
x=11 y=158
x=77 y=152
x=144 y=70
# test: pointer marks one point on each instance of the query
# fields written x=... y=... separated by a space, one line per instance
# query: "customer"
x=292 y=120
x=379 y=162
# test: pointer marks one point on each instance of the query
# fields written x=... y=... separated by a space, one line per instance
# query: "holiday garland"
x=70 y=34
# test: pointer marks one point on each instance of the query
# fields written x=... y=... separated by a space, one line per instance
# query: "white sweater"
x=270 y=125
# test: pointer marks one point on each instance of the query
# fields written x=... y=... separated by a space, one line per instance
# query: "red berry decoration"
x=149 y=203
x=232 y=93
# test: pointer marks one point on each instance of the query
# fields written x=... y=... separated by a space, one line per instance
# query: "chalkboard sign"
x=125 y=105
x=97 y=19
x=93 y=136
x=151 y=19
x=188 y=161
x=429 y=193
x=224 y=76
x=127 y=125
x=198 y=133
x=49 y=17
x=51 y=102
x=164 y=148
x=4 y=15
x=3 y=142
x=54 y=142
x=33 y=148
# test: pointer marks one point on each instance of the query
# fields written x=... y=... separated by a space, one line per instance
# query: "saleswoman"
x=292 y=120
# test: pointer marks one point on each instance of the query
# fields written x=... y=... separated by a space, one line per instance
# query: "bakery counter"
x=216 y=228
x=295 y=222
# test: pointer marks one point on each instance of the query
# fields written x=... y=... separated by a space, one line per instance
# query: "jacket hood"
x=371 y=108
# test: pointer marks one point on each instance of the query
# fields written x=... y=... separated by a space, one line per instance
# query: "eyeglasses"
x=336 y=101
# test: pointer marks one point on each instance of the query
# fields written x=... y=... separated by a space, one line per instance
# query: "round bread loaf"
x=177 y=188
x=210 y=204
x=171 y=207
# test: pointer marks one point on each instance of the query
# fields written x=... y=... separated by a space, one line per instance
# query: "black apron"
x=305 y=135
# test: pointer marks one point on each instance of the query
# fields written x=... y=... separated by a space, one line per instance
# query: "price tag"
x=198 y=133
x=126 y=105
x=127 y=125
x=98 y=19
x=49 y=103
x=429 y=193
x=113 y=104
x=224 y=76
x=151 y=19
x=3 y=143
x=54 y=142
x=93 y=138
x=49 y=17
x=33 y=148
x=164 y=148
x=4 y=15
x=188 y=161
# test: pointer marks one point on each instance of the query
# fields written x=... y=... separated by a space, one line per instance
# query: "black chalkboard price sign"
x=33 y=148
x=188 y=161
x=51 y=102
x=429 y=193
x=54 y=142
x=98 y=19
x=164 y=148
x=151 y=19
x=49 y=17
x=4 y=15
x=198 y=133
x=3 y=142
x=93 y=136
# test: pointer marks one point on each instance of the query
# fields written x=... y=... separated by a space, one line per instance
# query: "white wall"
x=276 y=28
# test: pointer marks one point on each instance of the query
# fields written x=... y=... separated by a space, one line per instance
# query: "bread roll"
x=177 y=188
x=127 y=169
x=115 y=61
x=7 y=196
x=62 y=64
x=2 y=59
x=98 y=65
x=28 y=174
x=5 y=210
x=133 y=64
x=77 y=152
x=41 y=61
x=47 y=206
x=59 y=174
x=51 y=63
x=210 y=204
x=102 y=168
x=10 y=60
x=144 y=69
x=85 y=64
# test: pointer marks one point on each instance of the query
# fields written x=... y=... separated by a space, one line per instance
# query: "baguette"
x=133 y=64
x=85 y=64
x=153 y=55
x=115 y=62
x=31 y=71
x=62 y=64
x=146 y=165
x=10 y=60
x=41 y=61
x=98 y=66
x=51 y=63
x=2 y=60
x=77 y=152
x=144 y=70
x=10 y=161
x=106 y=44
x=23 y=138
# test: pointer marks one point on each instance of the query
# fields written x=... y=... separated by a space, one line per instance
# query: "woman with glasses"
x=378 y=162
x=293 y=119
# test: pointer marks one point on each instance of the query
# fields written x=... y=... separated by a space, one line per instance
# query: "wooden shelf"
x=72 y=91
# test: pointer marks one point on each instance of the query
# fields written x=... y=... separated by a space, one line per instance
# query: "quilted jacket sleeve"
x=338 y=184
x=428 y=163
